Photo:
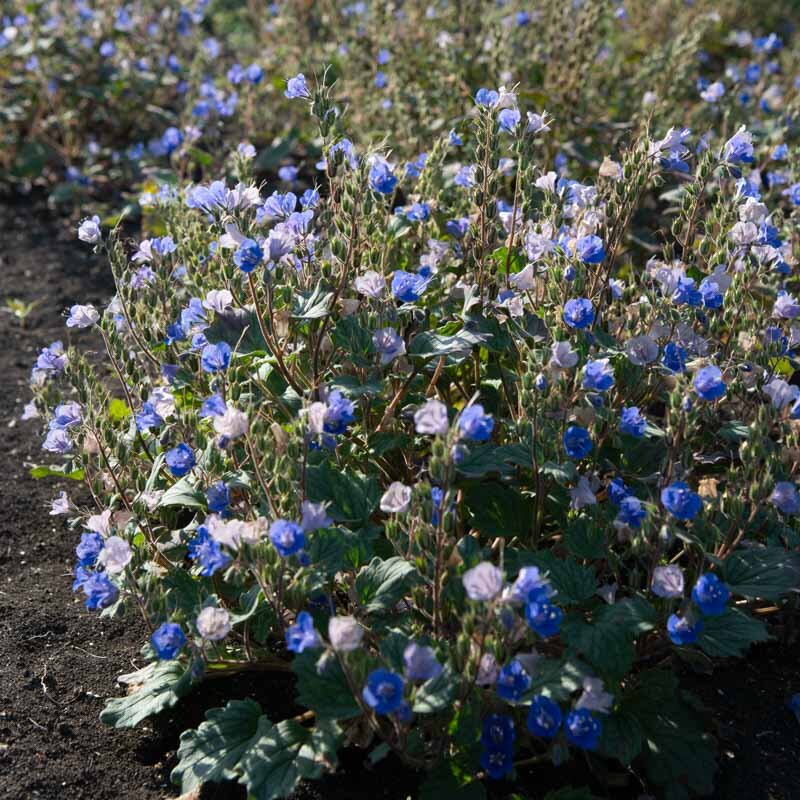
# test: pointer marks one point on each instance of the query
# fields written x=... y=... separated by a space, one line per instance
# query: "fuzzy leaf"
x=381 y=584
x=730 y=634
x=324 y=689
x=157 y=686
x=765 y=572
x=211 y=752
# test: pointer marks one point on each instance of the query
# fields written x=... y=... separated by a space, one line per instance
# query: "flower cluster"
x=475 y=437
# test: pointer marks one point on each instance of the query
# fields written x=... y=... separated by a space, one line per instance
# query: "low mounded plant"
x=478 y=451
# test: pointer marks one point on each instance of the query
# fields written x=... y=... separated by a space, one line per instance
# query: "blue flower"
x=598 y=375
x=213 y=406
x=254 y=73
x=617 y=491
x=681 y=501
x=302 y=634
x=218 y=497
x=498 y=732
x=582 y=729
x=681 y=630
x=590 y=249
x=88 y=549
x=578 y=313
x=544 y=618
x=248 y=255
x=100 y=591
x=297 y=88
x=287 y=537
x=577 y=442
x=632 y=422
x=631 y=512
x=708 y=383
x=497 y=762
x=475 y=424
x=81 y=575
x=437 y=495
x=215 y=357
x=544 y=717
x=739 y=148
x=408 y=286
x=339 y=413
x=512 y=681
x=711 y=595
x=207 y=552
x=383 y=692
x=148 y=418
x=168 y=640
x=486 y=98
x=508 y=119
x=674 y=358
x=180 y=460
x=381 y=177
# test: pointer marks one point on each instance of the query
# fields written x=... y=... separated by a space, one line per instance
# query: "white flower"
x=753 y=211
x=213 y=623
x=547 y=183
x=29 y=411
x=389 y=344
x=562 y=355
x=218 y=300
x=594 y=696
x=641 y=350
x=371 y=284
x=487 y=670
x=781 y=393
x=345 y=634
x=151 y=499
x=432 y=418
x=316 y=417
x=610 y=169
x=115 y=555
x=314 y=516
x=60 y=505
x=232 y=424
x=582 y=495
x=396 y=499
x=744 y=233
x=163 y=401
x=667 y=581
x=483 y=582
x=82 y=316
x=100 y=523
x=89 y=230
x=525 y=279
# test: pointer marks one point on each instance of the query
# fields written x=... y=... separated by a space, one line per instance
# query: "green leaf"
x=327 y=548
x=380 y=584
x=444 y=782
x=557 y=678
x=430 y=344
x=560 y=473
x=118 y=410
x=730 y=634
x=621 y=737
x=212 y=751
x=605 y=646
x=497 y=510
x=352 y=388
x=240 y=329
x=762 y=572
x=678 y=754
x=585 y=539
x=606 y=642
x=314 y=305
x=183 y=493
x=438 y=693
x=56 y=472
x=570 y=793
x=352 y=496
x=355 y=340
x=285 y=753
x=157 y=686
x=325 y=689
x=483 y=459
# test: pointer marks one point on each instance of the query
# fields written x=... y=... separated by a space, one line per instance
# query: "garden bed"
x=58 y=663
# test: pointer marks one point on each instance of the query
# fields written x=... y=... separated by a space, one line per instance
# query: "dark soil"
x=58 y=662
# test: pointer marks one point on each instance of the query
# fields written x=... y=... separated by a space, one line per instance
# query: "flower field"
x=427 y=392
